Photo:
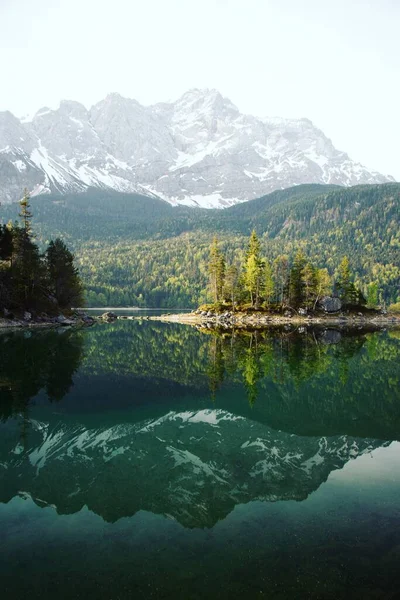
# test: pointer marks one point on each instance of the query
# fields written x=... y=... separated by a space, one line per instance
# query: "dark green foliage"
x=6 y=243
x=28 y=277
x=216 y=269
x=29 y=364
x=27 y=280
x=373 y=295
x=296 y=282
x=142 y=251
x=232 y=285
x=344 y=285
x=64 y=281
x=254 y=270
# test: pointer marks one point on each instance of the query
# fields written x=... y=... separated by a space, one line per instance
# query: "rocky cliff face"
x=199 y=151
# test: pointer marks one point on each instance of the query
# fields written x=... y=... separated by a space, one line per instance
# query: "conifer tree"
x=27 y=272
x=253 y=270
x=343 y=284
x=280 y=275
x=216 y=269
x=26 y=214
x=268 y=283
x=231 y=286
x=296 y=282
x=309 y=284
x=6 y=243
x=372 y=295
x=64 y=281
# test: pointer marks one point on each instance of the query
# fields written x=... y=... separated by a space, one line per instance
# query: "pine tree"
x=344 y=285
x=253 y=270
x=231 y=286
x=268 y=283
x=6 y=243
x=309 y=284
x=216 y=269
x=64 y=281
x=26 y=214
x=280 y=275
x=27 y=272
x=296 y=282
x=372 y=295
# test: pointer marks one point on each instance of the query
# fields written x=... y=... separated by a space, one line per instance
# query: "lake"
x=141 y=459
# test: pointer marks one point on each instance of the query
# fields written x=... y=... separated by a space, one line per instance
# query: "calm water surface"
x=151 y=460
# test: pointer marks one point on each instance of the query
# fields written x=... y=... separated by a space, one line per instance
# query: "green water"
x=151 y=460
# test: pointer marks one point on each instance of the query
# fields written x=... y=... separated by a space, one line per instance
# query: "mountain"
x=198 y=151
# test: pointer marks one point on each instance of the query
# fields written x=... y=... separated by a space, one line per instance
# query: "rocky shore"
x=31 y=321
x=230 y=320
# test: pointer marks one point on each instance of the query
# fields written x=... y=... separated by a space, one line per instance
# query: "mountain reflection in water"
x=146 y=416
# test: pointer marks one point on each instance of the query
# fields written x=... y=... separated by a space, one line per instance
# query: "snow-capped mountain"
x=198 y=151
x=193 y=466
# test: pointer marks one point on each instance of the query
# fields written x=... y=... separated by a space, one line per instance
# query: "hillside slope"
x=135 y=250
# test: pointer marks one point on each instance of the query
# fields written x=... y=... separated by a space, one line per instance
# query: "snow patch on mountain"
x=199 y=151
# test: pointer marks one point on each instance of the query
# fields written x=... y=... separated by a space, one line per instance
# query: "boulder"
x=109 y=316
x=302 y=312
x=330 y=304
x=27 y=316
x=64 y=321
x=287 y=314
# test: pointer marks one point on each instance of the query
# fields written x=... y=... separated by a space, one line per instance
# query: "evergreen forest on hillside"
x=137 y=251
x=31 y=282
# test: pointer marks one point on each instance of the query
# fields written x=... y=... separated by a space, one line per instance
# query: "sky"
x=336 y=62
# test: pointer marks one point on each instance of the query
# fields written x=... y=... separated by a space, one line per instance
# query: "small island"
x=260 y=293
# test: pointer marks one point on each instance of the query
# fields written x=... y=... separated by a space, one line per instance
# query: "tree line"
x=258 y=282
x=32 y=281
x=134 y=251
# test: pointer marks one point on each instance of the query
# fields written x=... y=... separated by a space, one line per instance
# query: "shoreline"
x=52 y=323
x=246 y=321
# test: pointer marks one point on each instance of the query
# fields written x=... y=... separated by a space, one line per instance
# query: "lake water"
x=151 y=460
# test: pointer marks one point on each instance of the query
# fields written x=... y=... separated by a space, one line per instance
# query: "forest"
x=285 y=283
x=138 y=251
x=32 y=282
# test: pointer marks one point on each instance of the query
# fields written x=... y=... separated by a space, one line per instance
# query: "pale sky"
x=336 y=62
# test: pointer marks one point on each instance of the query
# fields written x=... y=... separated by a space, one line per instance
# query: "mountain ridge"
x=198 y=151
